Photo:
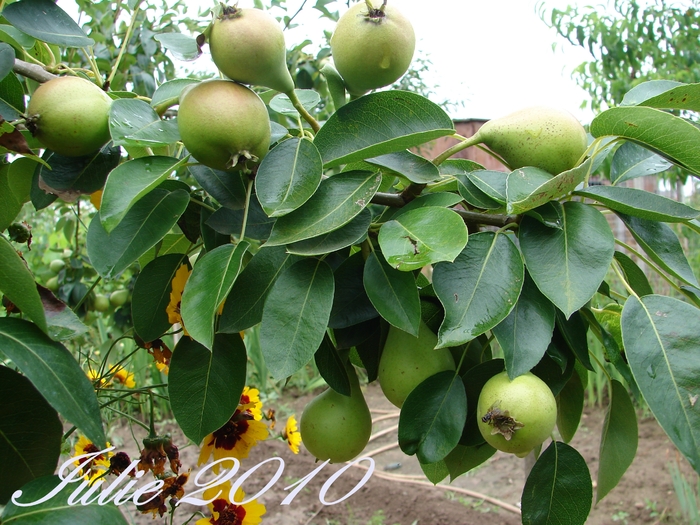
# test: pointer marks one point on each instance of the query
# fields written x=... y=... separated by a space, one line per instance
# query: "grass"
x=688 y=494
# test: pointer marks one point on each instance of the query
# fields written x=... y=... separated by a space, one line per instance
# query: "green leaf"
x=474 y=380
x=435 y=472
x=288 y=176
x=142 y=227
x=229 y=222
x=351 y=305
x=17 y=284
x=168 y=93
x=459 y=168
x=331 y=367
x=55 y=373
x=380 y=123
x=407 y=164
x=525 y=333
x=393 y=293
x=63 y=323
x=574 y=331
x=10 y=206
x=205 y=386
x=558 y=489
x=550 y=214
x=662 y=246
x=171 y=243
x=647 y=90
x=337 y=201
x=462 y=459
x=227 y=188
x=7 y=59
x=422 y=236
x=640 y=203
x=634 y=275
x=432 y=417
x=56 y=510
x=79 y=174
x=618 y=443
x=151 y=295
x=664 y=94
x=130 y=181
x=492 y=183
x=308 y=98
x=661 y=344
x=632 y=160
x=211 y=281
x=30 y=434
x=251 y=288
x=673 y=137
x=479 y=289
x=529 y=188
x=570 y=406
x=295 y=316
x=441 y=199
x=350 y=234
x=47 y=22
x=11 y=98
x=182 y=47
x=133 y=122
x=20 y=178
x=569 y=264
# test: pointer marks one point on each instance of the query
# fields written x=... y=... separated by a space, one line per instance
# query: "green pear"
x=407 y=361
x=247 y=45
x=542 y=137
x=334 y=426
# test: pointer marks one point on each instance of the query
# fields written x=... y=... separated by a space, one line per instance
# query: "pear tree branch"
x=33 y=71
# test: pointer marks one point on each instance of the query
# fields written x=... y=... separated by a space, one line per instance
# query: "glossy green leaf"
x=79 y=174
x=142 y=227
x=308 y=98
x=63 y=324
x=7 y=59
x=351 y=305
x=664 y=94
x=10 y=206
x=56 y=510
x=479 y=289
x=661 y=344
x=435 y=472
x=618 y=443
x=574 y=331
x=181 y=46
x=414 y=167
x=474 y=380
x=492 y=183
x=459 y=168
x=525 y=333
x=55 y=373
x=17 y=284
x=662 y=246
x=338 y=200
x=558 y=489
x=16 y=38
x=229 y=222
x=673 y=137
x=529 y=188
x=632 y=160
x=251 y=288
x=133 y=122
x=171 y=243
x=647 y=90
x=569 y=264
x=422 y=236
x=295 y=316
x=30 y=434
x=205 y=385
x=380 y=123
x=211 y=281
x=350 y=234
x=634 y=275
x=20 y=178
x=640 y=203
x=45 y=21
x=12 y=104
x=130 y=181
x=288 y=175
x=168 y=93
x=462 y=459
x=440 y=199
x=227 y=188
x=331 y=367
x=151 y=295
x=432 y=417
x=393 y=293
x=570 y=406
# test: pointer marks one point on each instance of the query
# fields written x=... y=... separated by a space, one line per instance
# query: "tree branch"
x=33 y=71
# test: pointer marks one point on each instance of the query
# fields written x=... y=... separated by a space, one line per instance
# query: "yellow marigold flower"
x=178 y=285
x=250 y=401
x=224 y=512
x=95 y=378
x=121 y=375
x=96 y=199
x=292 y=434
x=97 y=466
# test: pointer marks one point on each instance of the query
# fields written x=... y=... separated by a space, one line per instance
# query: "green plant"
x=688 y=494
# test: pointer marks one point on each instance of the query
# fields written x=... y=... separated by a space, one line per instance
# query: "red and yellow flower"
x=94 y=468
x=178 y=285
x=292 y=434
x=224 y=512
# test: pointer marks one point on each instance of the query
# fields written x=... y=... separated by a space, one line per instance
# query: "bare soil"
x=398 y=494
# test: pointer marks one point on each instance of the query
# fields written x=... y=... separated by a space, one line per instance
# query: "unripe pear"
x=334 y=426
x=70 y=116
x=372 y=48
x=222 y=122
x=542 y=137
x=247 y=45
x=407 y=361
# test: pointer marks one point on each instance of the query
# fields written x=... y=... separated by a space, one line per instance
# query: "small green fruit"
x=52 y=284
x=542 y=137
x=247 y=45
x=516 y=416
x=372 y=48
x=70 y=116
x=334 y=426
x=101 y=302
x=222 y=122
x=407 y=361
x=118 y=298
x=57 y=265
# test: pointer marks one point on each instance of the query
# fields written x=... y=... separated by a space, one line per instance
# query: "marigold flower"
x=161 y=354
x=94 y=376
x=121 y=375
x=156 y=451
x=224 y=512
x=178 y=285
x=172 y=489
x=96 y=199
x=250 y=402
x=95 y=467
x=292 y=434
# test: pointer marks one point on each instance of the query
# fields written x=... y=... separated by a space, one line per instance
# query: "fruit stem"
x=471 y=141
x=125 y=43
x=248 y=193
x=93 y=65
x=302 y=111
